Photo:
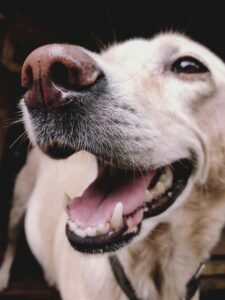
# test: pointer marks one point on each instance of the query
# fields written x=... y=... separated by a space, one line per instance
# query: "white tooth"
x=73 y=227
x=159 y=188
x=100 y=227
x=107 y=227
x=66 y=201
x=80 y=232
x=132 y=230
x=163 y=178
x=117 y=216
x=90 y=231
x=148 y=196
x=167 y=177
x=103 y=228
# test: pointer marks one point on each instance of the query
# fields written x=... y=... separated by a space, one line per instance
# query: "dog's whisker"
x=22 y=137
x=12 y=122
x=98 y=41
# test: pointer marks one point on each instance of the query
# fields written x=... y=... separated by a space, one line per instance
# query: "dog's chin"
x=111 y=210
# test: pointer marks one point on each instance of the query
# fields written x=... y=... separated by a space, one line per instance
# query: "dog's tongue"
x=96 y=204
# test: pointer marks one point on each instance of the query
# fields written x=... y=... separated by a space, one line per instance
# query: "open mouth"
x=110 y=212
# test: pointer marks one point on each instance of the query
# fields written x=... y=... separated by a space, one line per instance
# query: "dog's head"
x=149 y=110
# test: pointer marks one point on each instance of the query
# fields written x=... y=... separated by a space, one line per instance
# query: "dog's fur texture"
x=159 y=117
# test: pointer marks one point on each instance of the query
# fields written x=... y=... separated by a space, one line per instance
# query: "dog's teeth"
x=164 y=182
x=167 y=177
x=77 y=230
x=100 y=227
x=72 y=226
x=80 y=232
x=159 y=188
x=103 y=228
x=90 y=231
x=164 y=179
x=132 y=230
x=148 y=196
x=117 y=216
x=66 y=201
x=170 y=194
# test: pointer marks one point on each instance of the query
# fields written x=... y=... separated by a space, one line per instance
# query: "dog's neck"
x=155 y=265
x=126 y=286
x=161 y=266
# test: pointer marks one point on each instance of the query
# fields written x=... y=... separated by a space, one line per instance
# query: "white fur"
x=176 y=114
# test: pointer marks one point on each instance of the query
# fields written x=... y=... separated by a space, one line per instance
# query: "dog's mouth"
x=110 y=212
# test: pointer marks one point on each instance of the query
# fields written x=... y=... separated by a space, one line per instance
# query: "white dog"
x=151 y=207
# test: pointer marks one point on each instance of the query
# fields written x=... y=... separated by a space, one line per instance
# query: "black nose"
x=50 y=73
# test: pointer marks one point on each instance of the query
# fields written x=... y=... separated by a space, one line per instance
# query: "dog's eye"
x=189 y=65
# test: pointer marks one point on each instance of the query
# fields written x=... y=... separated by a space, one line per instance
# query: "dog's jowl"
x=127 y=166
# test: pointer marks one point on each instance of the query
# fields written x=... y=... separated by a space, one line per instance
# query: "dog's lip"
x=56 y=151
x=101 y=244
x=114 y=239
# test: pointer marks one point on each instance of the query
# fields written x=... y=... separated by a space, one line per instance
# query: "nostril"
x=60 y=75
x=66 y=77
x=27 y=77
x=74 y=76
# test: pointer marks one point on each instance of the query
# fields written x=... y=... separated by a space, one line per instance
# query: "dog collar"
x=122 y=279
x=127 y=288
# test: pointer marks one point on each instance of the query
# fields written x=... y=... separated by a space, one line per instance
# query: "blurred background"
x=25 y=25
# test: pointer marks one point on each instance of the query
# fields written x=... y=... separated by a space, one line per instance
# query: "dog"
x=127 y=167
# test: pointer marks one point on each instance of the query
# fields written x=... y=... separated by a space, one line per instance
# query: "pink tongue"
x=96 y=205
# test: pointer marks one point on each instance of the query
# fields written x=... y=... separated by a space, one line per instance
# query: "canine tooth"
x=90 y=231
x=170 y=194
x=148 y=196
x=117 y=216
x=103 y=228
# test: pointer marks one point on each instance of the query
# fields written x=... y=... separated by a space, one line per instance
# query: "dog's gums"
x=111 y=210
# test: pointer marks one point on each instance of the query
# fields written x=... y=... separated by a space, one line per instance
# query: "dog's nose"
x=50 y=73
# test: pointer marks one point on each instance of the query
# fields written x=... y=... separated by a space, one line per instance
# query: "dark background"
x=90 y=23
x=25 y=25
